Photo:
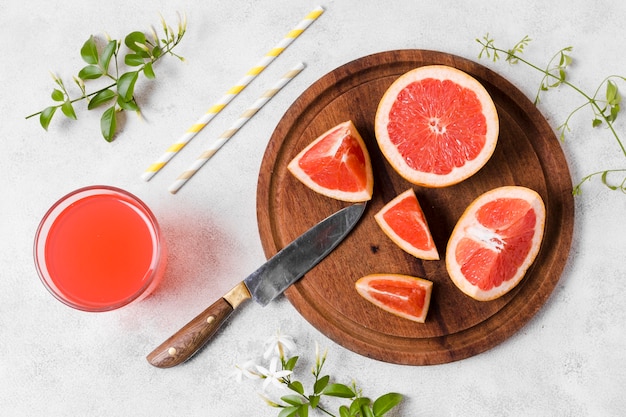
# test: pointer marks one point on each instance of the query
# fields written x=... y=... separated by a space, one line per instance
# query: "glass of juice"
x=99 y=248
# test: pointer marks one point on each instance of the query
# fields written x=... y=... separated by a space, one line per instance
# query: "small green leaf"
x=614 y=112
x=568 y=60
x=100 y=98
x=555 y=84
x=320 y=384
x=57 y=95
x=134 y=38
x=288 y=411
x=68 y=109
x=133 y=60
x=344 y=411
x=157 y=51
x=617 y=99
x=338 y=390
x=611 y=91
x=297 y=387
x=565 y=60
x=108 y=124
x=89 y=51
x=367 y=412
x=386 y=402
x=126 y=85
x=290 y=364
x=90 y=72
x=596 y=122
x=314 y=400
x=358 y=404
x=129 y=105
x=293 y=399
x=148 y=71
x=107 y=53
x=46 y=116
x=303 y=410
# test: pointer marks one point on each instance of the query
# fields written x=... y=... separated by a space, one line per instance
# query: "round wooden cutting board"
x=457 y=326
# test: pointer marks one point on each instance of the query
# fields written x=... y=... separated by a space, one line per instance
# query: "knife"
x=263 y=285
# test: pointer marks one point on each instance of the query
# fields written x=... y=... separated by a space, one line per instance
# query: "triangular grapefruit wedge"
x=336 y=164
x=403 y=221
x=436 y=125
x=402 y=295
x=495 y=241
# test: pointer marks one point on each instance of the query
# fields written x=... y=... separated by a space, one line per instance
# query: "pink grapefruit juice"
x=99 y=248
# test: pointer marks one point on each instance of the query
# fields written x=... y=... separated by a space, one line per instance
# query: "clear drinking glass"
x=99 y=248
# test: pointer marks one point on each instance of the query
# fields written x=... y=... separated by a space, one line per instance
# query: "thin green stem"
x=326 y=412
x=74 y=100
x=590 y=100
x=603 y=174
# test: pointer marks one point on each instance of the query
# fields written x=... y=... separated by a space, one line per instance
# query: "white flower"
x=247 y=369
x=273 y=375
x=280 y=345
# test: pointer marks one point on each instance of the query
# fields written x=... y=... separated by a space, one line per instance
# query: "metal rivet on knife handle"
x=195 y=334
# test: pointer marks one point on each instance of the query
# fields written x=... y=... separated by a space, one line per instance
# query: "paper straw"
x=234 y=128
x=230 y=94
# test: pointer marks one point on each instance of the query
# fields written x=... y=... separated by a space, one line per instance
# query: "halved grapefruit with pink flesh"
x=403 y=221
x=402 y=295
x=436 y=125
x=337 y=165
x=495 y=241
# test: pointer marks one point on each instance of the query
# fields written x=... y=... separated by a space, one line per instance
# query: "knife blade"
x=266 y=283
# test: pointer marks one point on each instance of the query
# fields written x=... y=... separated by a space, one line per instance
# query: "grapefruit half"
x=436 y=125
x=403 y=221
x=495 y=241
x=336 y=164
x=402 y=295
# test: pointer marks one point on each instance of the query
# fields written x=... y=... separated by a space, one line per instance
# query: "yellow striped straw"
x=231 y=93
x=230 y=132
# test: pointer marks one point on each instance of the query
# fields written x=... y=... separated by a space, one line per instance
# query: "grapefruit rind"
x=397 y=160
x=429 y=253
x=364 y=288
x=468 y=220
x=347 y=129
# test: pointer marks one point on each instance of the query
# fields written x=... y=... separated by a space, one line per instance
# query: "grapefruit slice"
x=495 y=241
x=337 y=165
x=402 y=295
x=403 y=221
x=436 y=125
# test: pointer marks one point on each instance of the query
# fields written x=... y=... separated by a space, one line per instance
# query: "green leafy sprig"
x=119 y=95
x=604 y=101
x=298 y=402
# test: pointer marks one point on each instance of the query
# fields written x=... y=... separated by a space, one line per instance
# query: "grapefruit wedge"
x=336 y=164
x=402 y=295
x=436 y=125
x=495 y=241
x=403 y=221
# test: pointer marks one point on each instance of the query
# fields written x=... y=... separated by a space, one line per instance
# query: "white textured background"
x=569 y=360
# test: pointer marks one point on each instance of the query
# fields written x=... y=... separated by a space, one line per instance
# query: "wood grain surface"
x=457 y=326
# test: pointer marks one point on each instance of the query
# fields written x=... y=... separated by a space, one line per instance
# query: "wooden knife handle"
x=183 y=344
